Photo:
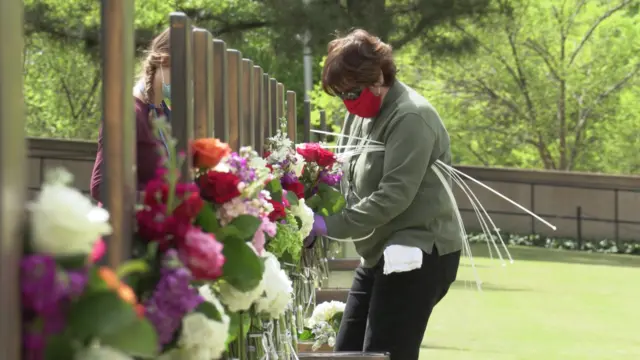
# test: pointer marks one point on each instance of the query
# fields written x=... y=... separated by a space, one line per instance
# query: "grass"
x=549 y=304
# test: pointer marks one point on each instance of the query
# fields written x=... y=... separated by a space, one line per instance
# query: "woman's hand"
x=319 y=229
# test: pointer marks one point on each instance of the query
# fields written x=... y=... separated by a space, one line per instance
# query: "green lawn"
x=547 y=305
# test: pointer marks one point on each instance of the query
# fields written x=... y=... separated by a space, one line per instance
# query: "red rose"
x=309 y=151
x=312 y=152
x=325 y=158
x=296 y=187
x=190 y=206
x=278 y=211
x=202 y=254
x=218 y=187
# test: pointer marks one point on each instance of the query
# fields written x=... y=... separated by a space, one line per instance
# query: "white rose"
x=96 y=352
x=65 y=222
x=202 y=338
x=305 y=214
x=325 y=311
x=278 y=288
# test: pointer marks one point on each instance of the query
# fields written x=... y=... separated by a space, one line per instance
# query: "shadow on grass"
x=471 y=285
x=520 y=253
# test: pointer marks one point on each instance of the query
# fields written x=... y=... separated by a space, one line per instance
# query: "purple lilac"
x=172 y=298
x=34 y=343
x=239 y=164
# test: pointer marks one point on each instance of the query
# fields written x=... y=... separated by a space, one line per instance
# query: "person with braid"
x=150 y=92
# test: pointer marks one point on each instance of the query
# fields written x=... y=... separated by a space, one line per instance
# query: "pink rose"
x=259 y=238
x=202 y=254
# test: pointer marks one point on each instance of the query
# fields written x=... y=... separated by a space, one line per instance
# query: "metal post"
x=248 y=101
x=182 y=86
x=292 y=121
x=273 y=89
x=323 y=124
x=234 y=63
x=307 y=121
x=12 y=175
x=203 y=83
x=579 y=226
x=118 y=125
x=220 y=76
x=616 y=216
x=266 y=84
x=258 y=108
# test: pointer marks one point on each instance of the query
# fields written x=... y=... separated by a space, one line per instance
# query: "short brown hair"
x=356 y=60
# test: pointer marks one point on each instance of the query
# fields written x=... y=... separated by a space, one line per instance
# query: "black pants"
x=389 y=313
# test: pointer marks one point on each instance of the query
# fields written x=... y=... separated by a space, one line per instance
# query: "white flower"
x=258 y=163
x=298 y=166
x=324 y=312
x=202 y=338
x=278 y=288
x=237 y=300
x=305 y=214
x=96 y=352
x=65 y=222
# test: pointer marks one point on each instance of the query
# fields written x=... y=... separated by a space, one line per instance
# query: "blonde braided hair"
x=158 y=56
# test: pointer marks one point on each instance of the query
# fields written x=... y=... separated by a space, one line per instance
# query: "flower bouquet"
x=72 y=308
x=200 y=248
x=323 y=325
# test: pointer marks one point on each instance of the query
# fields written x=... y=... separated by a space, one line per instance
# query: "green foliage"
x=327 y=201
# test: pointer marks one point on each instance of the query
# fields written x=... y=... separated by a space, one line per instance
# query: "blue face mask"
x=166 y=91
x=166 y=88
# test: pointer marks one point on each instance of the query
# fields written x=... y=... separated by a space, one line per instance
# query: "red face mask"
x=367 y=105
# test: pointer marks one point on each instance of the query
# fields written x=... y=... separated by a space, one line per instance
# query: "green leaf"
x=247 y=225
x=131 y=267
x=99 y=313
x=209 y=310
x=292 y=198
x=243 y=268
x=207 y=219
x=138 y=339
x=59 y=347
x=306 y=335
x=335 y=321
x=275 y=188
x=331 y=200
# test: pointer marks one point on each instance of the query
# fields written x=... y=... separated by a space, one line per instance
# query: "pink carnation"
x=202 y=254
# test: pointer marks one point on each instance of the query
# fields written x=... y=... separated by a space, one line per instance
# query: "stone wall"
x=610 y=205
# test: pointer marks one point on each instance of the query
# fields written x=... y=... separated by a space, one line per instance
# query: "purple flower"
x=172 y=298
x=288 y=178
x=241 y=169
x=39 y=285
x=331 y=179
x=34 y=343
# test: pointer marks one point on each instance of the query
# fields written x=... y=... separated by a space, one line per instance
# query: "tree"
x=63 y=43
x=548 y=83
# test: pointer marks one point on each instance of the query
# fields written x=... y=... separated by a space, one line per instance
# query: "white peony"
x=305 y=214
x=298 y=166
x=65 y=222
x=278 y=288
x=96 y=352
x=202 y=338
x=324 y=312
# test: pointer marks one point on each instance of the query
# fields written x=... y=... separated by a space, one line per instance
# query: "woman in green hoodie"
x=397 y=207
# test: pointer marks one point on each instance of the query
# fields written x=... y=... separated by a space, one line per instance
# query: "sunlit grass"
x=547 y=305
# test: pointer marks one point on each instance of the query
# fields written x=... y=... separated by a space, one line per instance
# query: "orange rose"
x=208 y=152
x=114 y=283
